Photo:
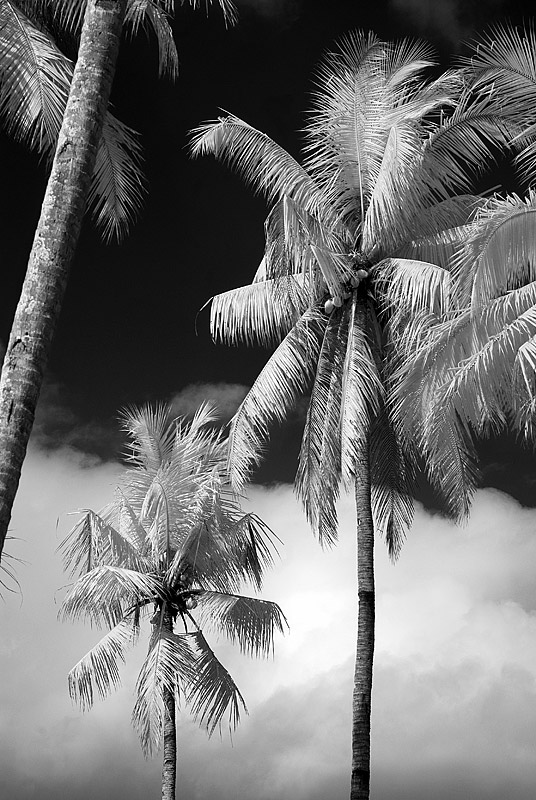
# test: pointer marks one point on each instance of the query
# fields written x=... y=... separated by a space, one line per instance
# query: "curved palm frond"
x=98 y=671
x=118 y=187
x=34 y=81
x=261 y=313
x=212 y=693
x=408 y=287
x=263 y=164
x=153 y=17
x=249 y=621
x=284 y=378
x=102 y=594
x=500 y=252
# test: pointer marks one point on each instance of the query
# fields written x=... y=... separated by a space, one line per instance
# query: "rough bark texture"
x=169 y=765
x=360 y=781
x=55 y=241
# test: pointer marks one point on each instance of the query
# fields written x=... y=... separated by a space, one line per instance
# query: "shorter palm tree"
x=172 y=549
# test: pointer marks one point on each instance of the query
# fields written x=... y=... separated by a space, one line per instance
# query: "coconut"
x=329 y=305
x=362 y=273
x=337 y=301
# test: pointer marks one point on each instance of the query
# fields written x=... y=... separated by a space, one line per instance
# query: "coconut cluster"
x=346 y=291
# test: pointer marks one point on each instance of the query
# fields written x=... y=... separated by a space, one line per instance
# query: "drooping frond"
x=284 y=378
x=153 y=17
x=319 y=463
x=391 y=483
x=249 y=621
x=261 y=313
x=118 y=187
x=500 y=251
x=503 y=65
x=263 y=164
x=171 y=665
x=93 y=541
x=409 y=287
x=34 y=81
x=213 y=693
x=362 y=390
x=98 y=671
x=103 y=595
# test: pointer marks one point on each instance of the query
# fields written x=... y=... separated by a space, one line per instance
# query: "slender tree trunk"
x=169 y=765
x=360 y=781
x=55 y=240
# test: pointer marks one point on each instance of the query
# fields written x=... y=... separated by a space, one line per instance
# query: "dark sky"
x=128 y=328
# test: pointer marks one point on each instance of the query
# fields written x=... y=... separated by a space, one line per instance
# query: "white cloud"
x=454 y=708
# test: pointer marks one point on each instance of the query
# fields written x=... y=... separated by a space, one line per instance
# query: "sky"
x=454 y=711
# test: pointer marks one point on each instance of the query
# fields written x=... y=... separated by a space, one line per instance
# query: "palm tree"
x=374 y=213
x=173 y=549
x=470 y=367
x=39 y=90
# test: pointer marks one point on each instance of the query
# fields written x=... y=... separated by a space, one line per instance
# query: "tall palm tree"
x=377 y=208
x=40 y=89
x=173 y=549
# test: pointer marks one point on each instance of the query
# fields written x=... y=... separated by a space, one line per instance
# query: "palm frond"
x=319 y=464
x=408 y=287
x=500 y=252
x=103 y=594
x=391 y=483
x=284 y=378
x=213 y=693
x=34 y=81
x=249 y=621
x=98 y=671
x=261 y=313
x=118 y=186
x=362 y=390
x=263 y=164
x=171 y=664
x=154 y=17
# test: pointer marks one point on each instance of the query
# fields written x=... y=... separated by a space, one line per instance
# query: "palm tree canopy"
x=173 y=544
x=35 y=76
x=374 y=216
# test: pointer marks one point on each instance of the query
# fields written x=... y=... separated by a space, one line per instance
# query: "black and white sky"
x=455 y=679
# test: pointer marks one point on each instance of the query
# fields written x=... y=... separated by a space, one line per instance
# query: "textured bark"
x=55 y=241
x=360 y=780
x=169 y=764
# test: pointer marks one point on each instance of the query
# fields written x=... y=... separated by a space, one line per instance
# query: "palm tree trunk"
x=169 y=765
x=360 y=781
x=55 y=240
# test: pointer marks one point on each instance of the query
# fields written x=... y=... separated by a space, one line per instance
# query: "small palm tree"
x=53 y=107
x=373 y=215
x=172 y=550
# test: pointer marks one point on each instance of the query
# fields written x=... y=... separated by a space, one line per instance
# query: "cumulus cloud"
x=225 y=396
x=455 y=672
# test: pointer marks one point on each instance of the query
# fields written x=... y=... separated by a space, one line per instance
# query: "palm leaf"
x=34 y=81
x=118 y=186
x=319 y=464
x=284 y=378
x=261 y=313
x=170 y=663
x=249 y=621
x=102 y=594
x=98 y=670
x=263 y=164
x=152 y=17
x=213 y=693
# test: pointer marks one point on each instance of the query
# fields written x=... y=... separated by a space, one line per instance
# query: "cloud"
x=450 y=20
x=225 y=396
x=454 y=709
